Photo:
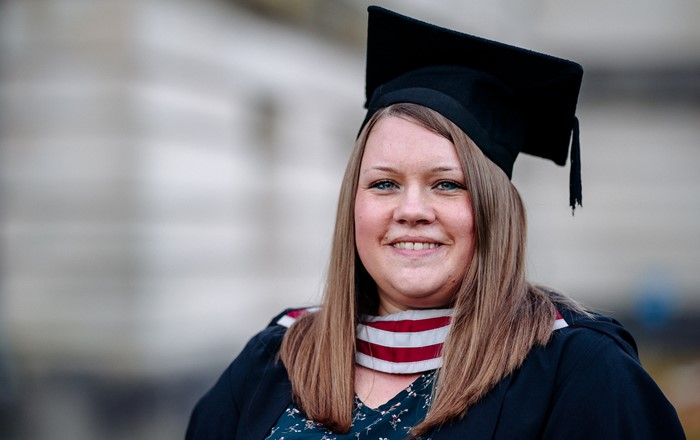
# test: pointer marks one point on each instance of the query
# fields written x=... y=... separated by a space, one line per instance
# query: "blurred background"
x=169 y=173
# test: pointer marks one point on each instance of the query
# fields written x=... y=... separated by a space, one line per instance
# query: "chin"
x=425 y=302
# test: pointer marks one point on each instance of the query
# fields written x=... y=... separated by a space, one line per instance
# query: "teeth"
x=414 y=246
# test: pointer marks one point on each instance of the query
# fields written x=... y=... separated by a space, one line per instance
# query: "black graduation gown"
x=586 y=383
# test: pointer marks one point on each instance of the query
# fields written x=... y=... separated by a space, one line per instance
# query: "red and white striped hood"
x=401 y=343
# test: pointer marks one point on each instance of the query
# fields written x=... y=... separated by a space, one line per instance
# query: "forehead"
x=399 y=141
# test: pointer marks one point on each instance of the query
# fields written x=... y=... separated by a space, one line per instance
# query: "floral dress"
x=390 y=421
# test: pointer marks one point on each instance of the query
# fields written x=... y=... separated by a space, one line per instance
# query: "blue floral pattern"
x=390 y=421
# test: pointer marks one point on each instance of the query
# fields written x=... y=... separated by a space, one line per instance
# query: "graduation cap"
x=506 y=99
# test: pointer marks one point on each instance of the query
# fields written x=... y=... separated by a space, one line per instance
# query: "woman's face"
x=413 y=216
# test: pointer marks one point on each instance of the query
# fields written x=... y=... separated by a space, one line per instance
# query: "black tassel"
x=575 y=188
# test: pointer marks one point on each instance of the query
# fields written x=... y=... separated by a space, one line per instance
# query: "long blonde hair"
x=498 y=316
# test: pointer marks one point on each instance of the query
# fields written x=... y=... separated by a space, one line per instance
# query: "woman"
x=428 y=327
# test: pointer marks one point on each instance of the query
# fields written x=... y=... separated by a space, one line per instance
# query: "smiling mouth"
x=415 y=246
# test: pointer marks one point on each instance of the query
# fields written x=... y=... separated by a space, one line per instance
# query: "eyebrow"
x=388 y=169
x=444 y=169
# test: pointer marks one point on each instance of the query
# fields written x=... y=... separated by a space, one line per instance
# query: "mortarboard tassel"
x=575 y=188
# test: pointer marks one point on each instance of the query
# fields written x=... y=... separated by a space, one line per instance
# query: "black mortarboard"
x=507 y=99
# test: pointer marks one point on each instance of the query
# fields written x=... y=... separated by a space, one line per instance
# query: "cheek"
x=366 y=216
x=370 y=228
x=362 y=223
x=465 y=224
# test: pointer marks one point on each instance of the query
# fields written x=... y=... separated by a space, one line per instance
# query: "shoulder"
x=586 y=351
x=592 y=336
x=265 y=345
x=602 y=325
x=594 y=369
x=593 y=349
x=255 y=380
x=260 y=354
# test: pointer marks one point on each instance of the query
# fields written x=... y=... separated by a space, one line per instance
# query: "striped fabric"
x=288 y=319
x=559 y=322
x=401 y=343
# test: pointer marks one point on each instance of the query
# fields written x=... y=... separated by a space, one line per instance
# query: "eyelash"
x=381 y=185
x=376 y=185
x=456 y=185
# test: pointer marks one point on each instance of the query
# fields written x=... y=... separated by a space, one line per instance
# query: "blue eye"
x=383 y=185
x=448 y=185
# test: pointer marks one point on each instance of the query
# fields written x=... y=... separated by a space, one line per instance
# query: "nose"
x=414 y=207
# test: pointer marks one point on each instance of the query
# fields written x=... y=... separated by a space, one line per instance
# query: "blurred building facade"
x=169 y=173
